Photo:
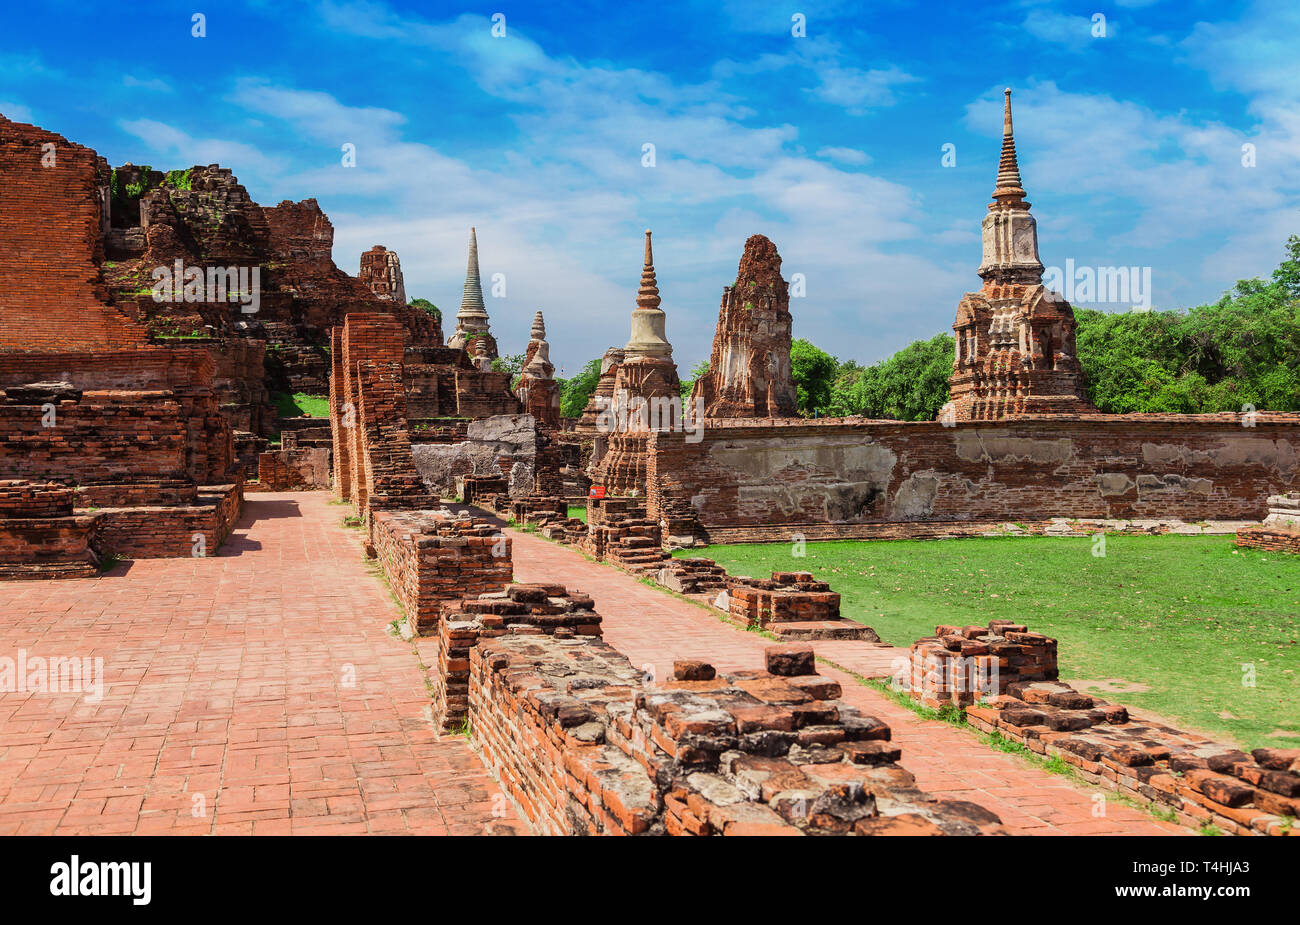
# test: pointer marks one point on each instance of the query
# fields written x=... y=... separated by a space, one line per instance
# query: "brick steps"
x=823 y=629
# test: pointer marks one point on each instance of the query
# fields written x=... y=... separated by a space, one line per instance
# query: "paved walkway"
x=255 y=691
x=653 y=628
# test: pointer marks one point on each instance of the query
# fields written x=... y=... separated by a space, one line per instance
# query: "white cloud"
x=16 y=112
x=844 y=155
x=175 y=145
x=142 y=83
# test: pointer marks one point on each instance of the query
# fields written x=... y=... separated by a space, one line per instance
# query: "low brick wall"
x=40 y=537
x=1004 y=678
x=958 y=665
x=793 y=605
x=434 y=556
x=1280 y=531
x=1201 y=780
x=585 y=745
x=305 y=468
x=519 y=609
x=162 y=532
x=1269 y=540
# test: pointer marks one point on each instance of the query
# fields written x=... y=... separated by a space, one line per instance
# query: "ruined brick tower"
x=538 y=392
x=381 y=270
x=1015 y=338
x=749 y=369
x=472 y=319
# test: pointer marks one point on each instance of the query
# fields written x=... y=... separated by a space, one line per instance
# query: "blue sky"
x=830 y=144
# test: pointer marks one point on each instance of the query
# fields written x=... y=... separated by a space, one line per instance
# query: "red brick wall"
x=430 y=558
x=107 y=437
x=837 y=478
x=187 y=374
x=52 y=294
x=586 y=744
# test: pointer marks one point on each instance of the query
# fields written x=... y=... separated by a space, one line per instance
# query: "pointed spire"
x=647 y=296
x=537 y=359
x=648 y=338
x=471 y=302
x=1008 y=188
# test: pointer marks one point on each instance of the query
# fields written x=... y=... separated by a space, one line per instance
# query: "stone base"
x=165 y=532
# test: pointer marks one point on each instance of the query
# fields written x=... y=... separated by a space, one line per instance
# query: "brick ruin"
x=1015 y=339
x=749 y=369
x=1004 y=678
x=86 y=248
x=381 y=270
x=643 y=392
x=132 y=445
x=585 y=743
x=538 y=392
x=1280 y=531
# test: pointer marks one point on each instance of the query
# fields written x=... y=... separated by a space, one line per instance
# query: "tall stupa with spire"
x=1015 y=338
x=646 y=393
x=472 y=319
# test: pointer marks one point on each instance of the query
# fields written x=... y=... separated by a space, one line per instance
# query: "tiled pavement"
x=255 y=691
x=259 y=691
x=653 y=628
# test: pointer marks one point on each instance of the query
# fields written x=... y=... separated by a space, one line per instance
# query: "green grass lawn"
x=301 y=405
x=579 y=512
x=1169 y=620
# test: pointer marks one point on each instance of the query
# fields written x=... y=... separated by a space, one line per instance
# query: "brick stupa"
x=538 y=392
x=749 y=369
x=1015 y=338
x=646 y=393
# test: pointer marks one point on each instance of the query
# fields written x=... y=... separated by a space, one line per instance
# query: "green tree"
x=577 y=391
x=911 y=385
x=511 y=364
x=814 y=371
x=426 y=305
x=689 y=382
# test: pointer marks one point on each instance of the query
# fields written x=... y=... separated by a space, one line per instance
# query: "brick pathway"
x=653 y=628
x=263 y=679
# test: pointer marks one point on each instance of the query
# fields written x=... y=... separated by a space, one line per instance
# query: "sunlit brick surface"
x=228 y=677
x=652 y=629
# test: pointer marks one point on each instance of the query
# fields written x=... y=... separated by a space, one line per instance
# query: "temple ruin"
x=749 y=372
x=132 y=426
x=1015 y=338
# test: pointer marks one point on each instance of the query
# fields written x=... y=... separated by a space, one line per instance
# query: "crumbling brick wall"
x=530 y=609
x=586 y=744
x=751 y=482
x=433 y=556
x=793 y=605
x=52 y=292
x=960 y=665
